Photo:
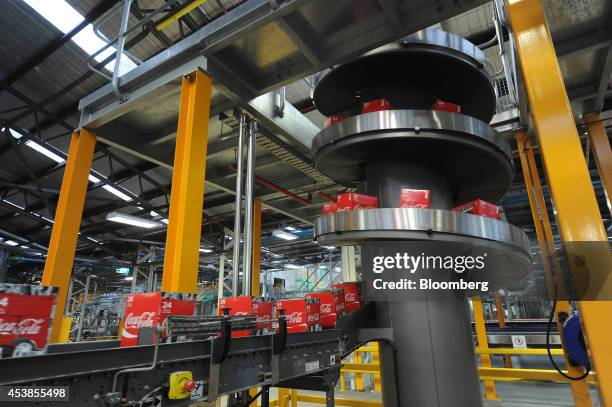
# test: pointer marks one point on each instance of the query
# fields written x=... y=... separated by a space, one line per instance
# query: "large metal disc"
x=467 y=150
x=411 y=74
x=507 y=245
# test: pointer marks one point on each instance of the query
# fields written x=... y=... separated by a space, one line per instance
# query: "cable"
x=548 y=329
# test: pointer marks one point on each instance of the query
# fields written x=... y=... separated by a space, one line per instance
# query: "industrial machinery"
x=426 y=339
x=456 y=156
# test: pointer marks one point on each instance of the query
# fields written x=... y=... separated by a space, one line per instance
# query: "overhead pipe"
x=265 y=183
x=238 y=205
x=248 y=216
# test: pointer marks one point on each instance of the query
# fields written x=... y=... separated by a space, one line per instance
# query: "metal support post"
x=255 y=290
x=187 y=196
x=600 y=145
x=84 y=307
x=543 y=229
x=4 y=256
x=238 y=205
x=501 y=320
x=483 y=343
x=348 y=263
x=62 y=246
x=247 y=263
x=221 y=284
x=579 y=220
x=134 y=279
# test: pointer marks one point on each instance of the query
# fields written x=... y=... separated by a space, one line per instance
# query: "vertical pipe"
x=256 y=250
x=134 y=278
x=238 y=206
x=248 y=216
x=125 y=18
x=84 y=307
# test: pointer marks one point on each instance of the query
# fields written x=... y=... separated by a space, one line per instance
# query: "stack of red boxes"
x=480 y=208
x=376 y=105
x=332 y=306
x=330 y=207
x=415 y=198
x=441 y=105
x=352 y=295
x=248 y=306
x=149 y=310
x=303 y=314
x=352 y=202
x=25 y=316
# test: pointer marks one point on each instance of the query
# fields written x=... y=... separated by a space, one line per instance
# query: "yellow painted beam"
x=256 y=247
x=187 y=9
x=600 y=145
x=511 y=351
x=339 y=401
x=552 y=270
x=360 y=367
x=62 y=246
x=481 y=335
x=578 y=218
x=501 y=319
x=524 y=374
x=187 y=194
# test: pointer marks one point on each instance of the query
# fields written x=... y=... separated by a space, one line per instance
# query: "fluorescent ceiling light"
x=284 y=235
x=154 y=214
x=117 y=193
x=64 y=17
x=290 y=228
x=94 y=179
x=129 y=278
x=205 y=250
x=24 y=247
x=132 y=220
x=35 y=146
x=291 y=266
x=14 y=204
x=11 y=243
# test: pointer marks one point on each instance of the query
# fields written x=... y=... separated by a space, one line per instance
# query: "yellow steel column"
x=187 y=195
x=62 y=246
x=255 y=279
x=578 y=216
x=483 y=343
x=501 y=320
x=600 y=145
x=543 y=229
x=376 y=361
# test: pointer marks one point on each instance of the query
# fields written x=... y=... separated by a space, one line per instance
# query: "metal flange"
x=508 y=246
x=469 y=151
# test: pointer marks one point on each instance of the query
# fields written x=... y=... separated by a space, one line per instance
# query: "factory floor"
x=510 y=394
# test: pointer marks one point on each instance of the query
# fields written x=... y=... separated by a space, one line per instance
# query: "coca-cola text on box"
x=248 y=306
x=331 y=306
x=302 y=314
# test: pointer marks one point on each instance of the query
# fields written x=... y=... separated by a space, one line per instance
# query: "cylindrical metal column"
x=84 y=306
x=238 y=206
x=434 y=357
x=248 y=215
x=385 y=179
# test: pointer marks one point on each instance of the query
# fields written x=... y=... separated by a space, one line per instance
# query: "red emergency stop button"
x=189 y=386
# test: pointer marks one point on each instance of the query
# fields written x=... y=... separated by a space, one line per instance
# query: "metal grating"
x=291 y=159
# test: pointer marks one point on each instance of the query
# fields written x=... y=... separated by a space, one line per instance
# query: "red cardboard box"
x=352 y=295
x=443 y=106
x=303 y=314
x=25 y=315
x=415 y=198
x=333 y=119
x=148 y=310
x=352 y=202
x=331 y=207
x=480 y=208
x=376 y=105
x=332 y=306
x=248 y=306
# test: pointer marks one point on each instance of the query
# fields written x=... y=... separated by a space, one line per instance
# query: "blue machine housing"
x=573 y=341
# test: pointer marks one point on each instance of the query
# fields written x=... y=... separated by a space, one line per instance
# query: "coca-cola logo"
x=241 y=313
x=350 y=297
x=326 y=308
x=28 y=326
x=295 y=318
x=313 y=318
x=144 y=320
